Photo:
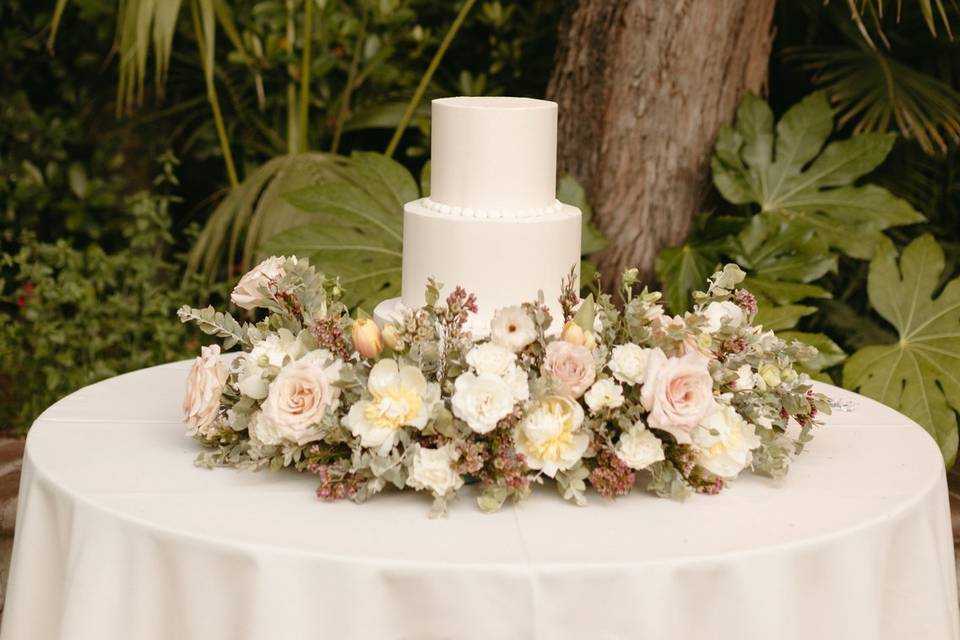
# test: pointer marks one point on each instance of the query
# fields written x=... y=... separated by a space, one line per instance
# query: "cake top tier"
x=494 y=153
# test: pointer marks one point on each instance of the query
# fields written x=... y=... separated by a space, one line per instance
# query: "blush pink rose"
x=572 y=365
x=678 y=393
x=201 y=403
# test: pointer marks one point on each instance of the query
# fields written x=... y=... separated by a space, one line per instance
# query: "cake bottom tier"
x=503 y=262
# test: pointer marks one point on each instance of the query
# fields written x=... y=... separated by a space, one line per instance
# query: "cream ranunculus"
x=300 y=396
x=482 y=401
x=512 y=328
x=572 y=365
x=205 y=383
x=399 y=397
x=432 y=469
x=604 y=394
x=721 y=313
x=724 y=441
x=639 y=448
x=628 y=363
x=550 y=436
x=491 y=359
x=678 y=393
x=247 y=294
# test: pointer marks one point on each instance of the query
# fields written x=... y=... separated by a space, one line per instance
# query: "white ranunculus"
x=512 y=328
x=628 y=363
x=273 y=351
x=247 y=294
x=550 y=437
x=745 y=379
x=639 y=448
x=604 y=394
x=724 y=441
x=721 y=313
x=299 y=397
x=205 y=383
x=432 y=469
x=399 y=397
x=481 y=401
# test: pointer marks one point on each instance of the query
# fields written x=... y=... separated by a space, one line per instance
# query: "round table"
x=119 y=536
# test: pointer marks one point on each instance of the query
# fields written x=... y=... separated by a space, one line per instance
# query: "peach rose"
x=572 y=365
x=301 y=394
x=678 y=393
x=247 y=294
x=204 y=386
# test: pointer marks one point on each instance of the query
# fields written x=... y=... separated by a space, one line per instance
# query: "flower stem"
x=305 y=75
x=428 y=76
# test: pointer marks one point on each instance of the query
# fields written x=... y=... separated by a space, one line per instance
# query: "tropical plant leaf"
x=570 y=192
x=791 y=176
x=876 y=92
x=828 y=354
x=682 y=270
x=919 y=374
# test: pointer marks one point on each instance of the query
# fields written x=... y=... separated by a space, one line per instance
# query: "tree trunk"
x=643 y=86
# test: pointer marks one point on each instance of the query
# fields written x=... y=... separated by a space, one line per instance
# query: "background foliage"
x=300 y=125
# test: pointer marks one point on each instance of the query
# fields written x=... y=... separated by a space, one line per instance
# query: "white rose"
x=205 y=383
x=247 y=294
x=433 y=469
x=481 y=401
x=724 y=441
x=604 y=394
x=490 y=359
x=721 y=313
x=745 y=380
x=300 y=396
x=628 y=363
x=399 y=397
x=550 y=436
x=512 y=328
x=639 y=448
x=273 y=351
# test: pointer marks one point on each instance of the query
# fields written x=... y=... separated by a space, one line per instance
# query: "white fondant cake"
x=492 y=223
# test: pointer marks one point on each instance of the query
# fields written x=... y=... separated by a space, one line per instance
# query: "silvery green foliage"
x=377 y=431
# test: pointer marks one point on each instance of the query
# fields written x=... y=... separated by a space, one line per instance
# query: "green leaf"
x=803 y=186
x=919 y=374
x=682 y=270
x=829 y=353
x=570 y=192
x=779 y=318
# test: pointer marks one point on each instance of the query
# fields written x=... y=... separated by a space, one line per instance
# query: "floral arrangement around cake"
x=623 y=394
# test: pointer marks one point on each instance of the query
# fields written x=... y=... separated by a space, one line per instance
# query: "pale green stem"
x=351 y=79
x=428 y=76
x=212 y=98
x=305 y=75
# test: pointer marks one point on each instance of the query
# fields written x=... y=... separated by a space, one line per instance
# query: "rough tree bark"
x=643 y=86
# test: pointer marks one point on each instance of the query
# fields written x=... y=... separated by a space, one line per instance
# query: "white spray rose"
x=432 y=469
x=628 y=363
x=481 y=401
x=247 y=294
x=301 y=395
x=205 y=383
x=512 y=328
x=491 y=359
x=639 y=448
x=604 y=394
x=721 y=313
x=724 y=441
x=272 y=352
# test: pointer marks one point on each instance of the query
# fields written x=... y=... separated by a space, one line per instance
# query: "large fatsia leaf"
x=920 y=373
x=788 y=173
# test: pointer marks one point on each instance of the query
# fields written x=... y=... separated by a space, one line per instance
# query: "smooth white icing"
x=497 y=154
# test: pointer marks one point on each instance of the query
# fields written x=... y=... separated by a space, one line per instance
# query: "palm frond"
x=874 y=92
x=874 y=11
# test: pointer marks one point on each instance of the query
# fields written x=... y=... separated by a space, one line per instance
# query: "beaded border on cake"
x=492 y=214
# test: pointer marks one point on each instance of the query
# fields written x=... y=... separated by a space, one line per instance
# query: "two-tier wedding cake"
x=492 y=223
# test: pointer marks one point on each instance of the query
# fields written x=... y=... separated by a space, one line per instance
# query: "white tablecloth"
x=120 y=537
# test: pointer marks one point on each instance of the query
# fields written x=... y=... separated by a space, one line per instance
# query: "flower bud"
x=770 y=374
x=391 y=335
x=367 y=339
x=574 y=334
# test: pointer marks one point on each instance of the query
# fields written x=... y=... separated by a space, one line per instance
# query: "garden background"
x=152 y=150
